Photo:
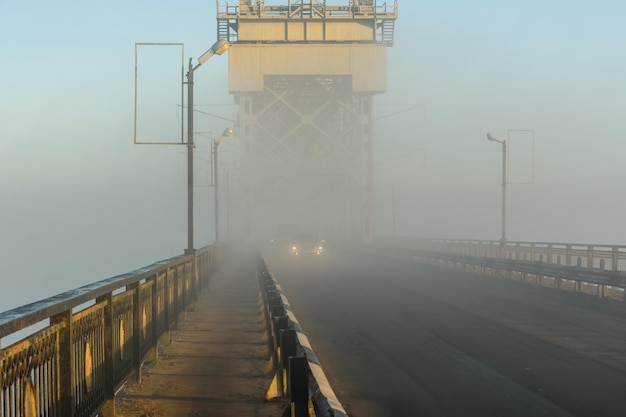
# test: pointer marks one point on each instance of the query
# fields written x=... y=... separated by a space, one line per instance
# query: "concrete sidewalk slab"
x=214 y=364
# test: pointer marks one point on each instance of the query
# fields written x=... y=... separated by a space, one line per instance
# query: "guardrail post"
x=183 y=291
x=167 y=304
x=277 y=312
x=66 y=371
x=267 y=318
x=549 y=253
x=199 y=271
x=136 y=331
x=568 y=255
x=288 y=342
x=195 y=274
x=299 y=386
x=177 y=298
x=280 y=324
x=277 y=309
x=273 y=310
x=601 y=291
x=277 y=386
x=108 y=409
x=153 y=354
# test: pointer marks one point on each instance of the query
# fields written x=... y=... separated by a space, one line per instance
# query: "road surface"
x=398 y=338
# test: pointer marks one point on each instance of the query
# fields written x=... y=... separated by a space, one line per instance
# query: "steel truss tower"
x=304 y=75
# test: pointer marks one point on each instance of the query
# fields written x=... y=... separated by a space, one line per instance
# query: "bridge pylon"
x=304 y=75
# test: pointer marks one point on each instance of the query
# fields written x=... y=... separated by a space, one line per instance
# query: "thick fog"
x=81 y=202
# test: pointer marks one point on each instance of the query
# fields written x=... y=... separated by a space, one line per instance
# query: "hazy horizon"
x=81 y=202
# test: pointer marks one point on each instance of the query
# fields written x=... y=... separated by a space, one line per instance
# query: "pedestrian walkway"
x=214 y=365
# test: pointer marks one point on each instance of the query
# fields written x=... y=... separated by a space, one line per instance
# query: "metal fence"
x=95 y=338
x=604 y=257
x=588 y=268
x=301 y=8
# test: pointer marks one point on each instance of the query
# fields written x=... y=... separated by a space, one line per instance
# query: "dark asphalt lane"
x=398 y=338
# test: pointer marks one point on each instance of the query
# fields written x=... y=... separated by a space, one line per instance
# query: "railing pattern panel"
x=87 y=339
x=122 y=324
x=162 y=296
x=145 y=303
x=74 y=365
x=29 y=378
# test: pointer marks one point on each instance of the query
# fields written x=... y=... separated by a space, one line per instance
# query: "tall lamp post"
x=218 y=48
x=227 y=132
x=503 y=143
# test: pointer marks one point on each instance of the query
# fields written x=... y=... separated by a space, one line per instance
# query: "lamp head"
x=218 y=48
x=227 y=132
x=491 y=138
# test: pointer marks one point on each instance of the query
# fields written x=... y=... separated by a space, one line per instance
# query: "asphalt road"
x=398 y=338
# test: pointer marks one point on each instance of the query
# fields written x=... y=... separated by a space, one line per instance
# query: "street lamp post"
x=503 y=143
x=227 y=132
x=218 y=48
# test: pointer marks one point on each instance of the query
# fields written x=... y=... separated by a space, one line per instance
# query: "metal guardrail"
x=230 y=15
x=605 y=257
x=96 y=337
x=298 y=373
x=591 y=268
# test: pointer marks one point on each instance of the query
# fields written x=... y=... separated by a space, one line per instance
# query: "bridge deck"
x=215 y=362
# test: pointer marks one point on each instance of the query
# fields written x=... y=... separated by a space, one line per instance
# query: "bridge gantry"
x=304 y=75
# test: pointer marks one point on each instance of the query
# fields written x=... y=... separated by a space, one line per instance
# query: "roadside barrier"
x=298 y=374
x=599 y=282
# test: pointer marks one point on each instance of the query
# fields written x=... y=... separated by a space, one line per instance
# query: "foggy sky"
x=80 y=202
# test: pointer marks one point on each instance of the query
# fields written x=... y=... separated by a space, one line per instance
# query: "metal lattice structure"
x=304 y=75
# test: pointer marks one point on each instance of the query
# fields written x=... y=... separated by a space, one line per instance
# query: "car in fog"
x=307 y=244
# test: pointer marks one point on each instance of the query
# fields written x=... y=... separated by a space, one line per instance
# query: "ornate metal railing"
x=89 y=341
